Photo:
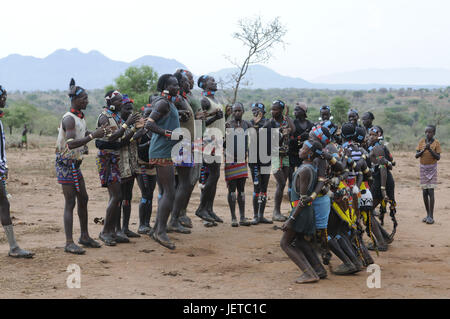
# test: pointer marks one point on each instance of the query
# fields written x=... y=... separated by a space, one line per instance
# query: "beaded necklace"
x=115 y=116
x=77 y=113
x=170 y=97
x=208 y=93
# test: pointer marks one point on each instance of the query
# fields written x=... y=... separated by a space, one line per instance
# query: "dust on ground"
x=218 y=262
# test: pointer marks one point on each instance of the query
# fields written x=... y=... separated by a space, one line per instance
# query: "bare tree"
x=260 y=39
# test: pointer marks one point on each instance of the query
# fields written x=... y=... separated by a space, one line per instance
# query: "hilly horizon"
x=93 y=70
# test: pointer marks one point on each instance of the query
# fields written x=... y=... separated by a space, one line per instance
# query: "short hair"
x=178 y=76
x=202 y=80
x=279 y=103
x=379 y=129
x=74 y=90
x=360 y=134
x=112 y=95
x=369 y=114
x=183 y=71
x=348 y=130
x=432 y=127
x=162 y=82
x=238 y=104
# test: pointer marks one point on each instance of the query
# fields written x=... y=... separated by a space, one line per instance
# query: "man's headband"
x=280 y=103
x=201 y=79
x=258 y=105
x=113 y=96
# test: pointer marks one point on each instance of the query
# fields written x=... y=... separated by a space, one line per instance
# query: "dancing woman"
x=145 y=176
x=163 y=119
x=302 y=127
x=214 y=119
x=259 y=170
x=382 y=188
x=300 y=226
x=280 y=161
x=128 y=167
x=236 y=168
x=185 y=161
x=108 y=163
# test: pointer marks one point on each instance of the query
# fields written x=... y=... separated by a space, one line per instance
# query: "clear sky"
x=324 y=36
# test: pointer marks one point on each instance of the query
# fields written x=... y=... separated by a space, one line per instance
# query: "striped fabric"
x=235 y=171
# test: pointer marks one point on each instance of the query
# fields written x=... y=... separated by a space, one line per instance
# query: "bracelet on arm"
x=168 y=133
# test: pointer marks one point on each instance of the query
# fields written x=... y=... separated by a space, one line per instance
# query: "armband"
x=367 y=170
x=364 y=156
x=313 y=195
x=290 y=217
x=131 y=140
x=133 y=129
x=354 y=165
x=91 y=137
x=167 y=133
x=346 y=170
x=383 y=187
x=124 y=126
x=333 y=161
x=69 y=140
x=321 y=179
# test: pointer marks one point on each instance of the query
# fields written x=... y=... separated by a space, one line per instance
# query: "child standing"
x=429 y=151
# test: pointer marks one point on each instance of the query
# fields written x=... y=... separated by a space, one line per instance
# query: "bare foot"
x=307 y=278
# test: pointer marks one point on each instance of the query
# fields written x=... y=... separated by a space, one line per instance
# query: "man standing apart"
x=5 y=217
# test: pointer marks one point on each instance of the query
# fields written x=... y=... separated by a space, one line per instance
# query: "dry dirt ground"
x=219 y=262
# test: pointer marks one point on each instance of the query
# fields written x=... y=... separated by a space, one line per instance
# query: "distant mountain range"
x=93 y=70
